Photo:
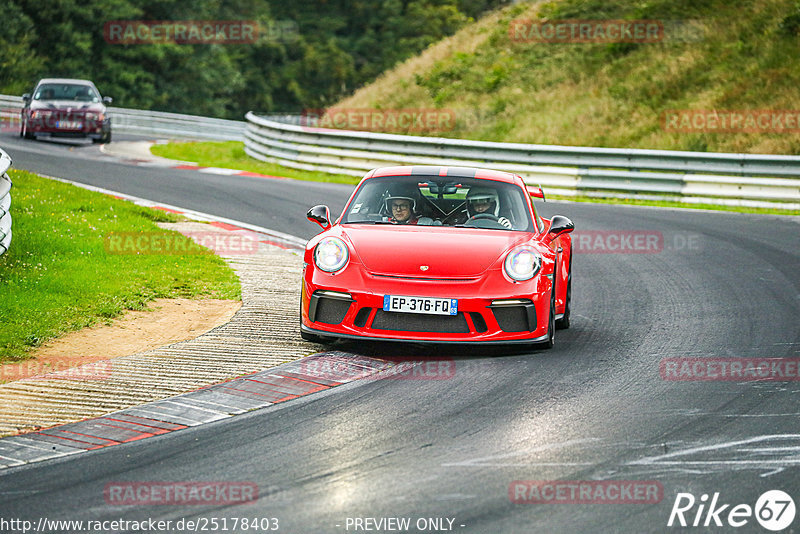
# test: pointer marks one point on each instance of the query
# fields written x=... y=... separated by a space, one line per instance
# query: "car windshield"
x=434 y=201
x=66 y=91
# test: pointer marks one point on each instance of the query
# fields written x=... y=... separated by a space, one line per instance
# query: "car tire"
x=24 y=131
x=105 y=139
x=563 y=323
x=551 y=324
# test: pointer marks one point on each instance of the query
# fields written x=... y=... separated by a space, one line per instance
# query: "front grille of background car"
x=411 y=322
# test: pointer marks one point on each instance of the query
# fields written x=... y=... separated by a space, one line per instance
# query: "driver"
x=483 y=202
x=401 y=205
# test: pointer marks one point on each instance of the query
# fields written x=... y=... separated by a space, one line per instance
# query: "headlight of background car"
x=92 y=116
x=522 y=264
x=331 y=254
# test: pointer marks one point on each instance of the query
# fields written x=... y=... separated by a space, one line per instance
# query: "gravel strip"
x=263 y=334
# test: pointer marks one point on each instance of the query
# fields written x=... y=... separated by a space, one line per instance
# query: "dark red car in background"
x=64 y=107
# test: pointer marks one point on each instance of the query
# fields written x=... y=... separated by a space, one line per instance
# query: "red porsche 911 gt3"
x=439 y=255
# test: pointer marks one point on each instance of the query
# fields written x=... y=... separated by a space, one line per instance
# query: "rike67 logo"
x=774 y=510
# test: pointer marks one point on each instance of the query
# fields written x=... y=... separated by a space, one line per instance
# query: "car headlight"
x=92 y=116
x=522 y=264
x=331 y=254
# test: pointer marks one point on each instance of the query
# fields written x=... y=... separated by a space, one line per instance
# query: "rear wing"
x=536 y=192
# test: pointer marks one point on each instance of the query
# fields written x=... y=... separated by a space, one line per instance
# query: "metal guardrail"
x=717 y=178
x=5 y=203
x=135 y=121
x=698 y=177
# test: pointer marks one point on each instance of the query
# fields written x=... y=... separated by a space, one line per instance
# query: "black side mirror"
x=26 y=97
x=559 y=225
x=320 y=215
x=107 y=100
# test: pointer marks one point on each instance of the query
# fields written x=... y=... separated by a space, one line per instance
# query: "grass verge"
x=58 y=275
x=713 y=57
x=231 y=155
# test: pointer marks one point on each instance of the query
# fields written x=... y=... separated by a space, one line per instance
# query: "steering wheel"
x=484 y=216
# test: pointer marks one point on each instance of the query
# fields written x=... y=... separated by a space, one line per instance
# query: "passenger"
x=483 y=203
x=82 y=94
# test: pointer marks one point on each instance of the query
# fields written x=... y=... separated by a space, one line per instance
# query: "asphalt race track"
x=444 y=449
x=275 y=204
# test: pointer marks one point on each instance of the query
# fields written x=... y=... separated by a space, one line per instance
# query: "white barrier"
x=5 y=203
x=717 y=178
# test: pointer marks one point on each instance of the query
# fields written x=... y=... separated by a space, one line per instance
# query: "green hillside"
x=294 y=55
x=499 y=85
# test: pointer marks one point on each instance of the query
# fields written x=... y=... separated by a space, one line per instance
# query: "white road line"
x=219 y=170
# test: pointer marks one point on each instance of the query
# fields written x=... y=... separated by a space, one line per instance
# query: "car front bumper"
x=511 y=312
x=89 y=128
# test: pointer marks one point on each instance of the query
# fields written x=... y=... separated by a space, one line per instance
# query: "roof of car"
x=66 y=80
x=448 y=172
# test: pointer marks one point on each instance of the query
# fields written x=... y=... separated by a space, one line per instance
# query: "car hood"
x=67 y=105
x=446 y=252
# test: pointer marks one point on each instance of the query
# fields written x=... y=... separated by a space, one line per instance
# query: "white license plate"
x=69 y=125
x=431 y=305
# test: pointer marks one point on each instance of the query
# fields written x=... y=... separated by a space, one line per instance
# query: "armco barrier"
x=697 y=177
x=135 y=121
x=5 y=203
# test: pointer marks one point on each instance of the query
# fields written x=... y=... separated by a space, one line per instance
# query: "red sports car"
x=439 y=255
